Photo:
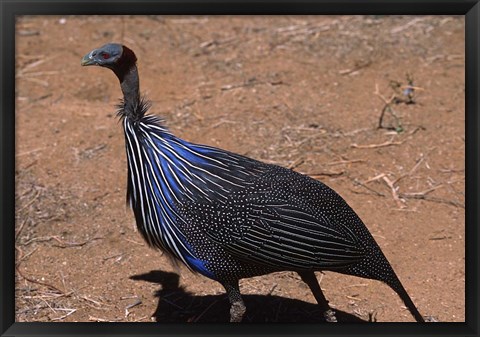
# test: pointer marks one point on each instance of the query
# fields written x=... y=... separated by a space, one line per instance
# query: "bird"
x=229 y=217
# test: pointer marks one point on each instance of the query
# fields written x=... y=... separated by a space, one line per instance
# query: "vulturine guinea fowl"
x=230 y=217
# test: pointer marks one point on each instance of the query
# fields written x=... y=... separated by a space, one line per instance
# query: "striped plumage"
x=229 y=217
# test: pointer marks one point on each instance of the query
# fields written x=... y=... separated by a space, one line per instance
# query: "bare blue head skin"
x=122 y=61
x=105 y=56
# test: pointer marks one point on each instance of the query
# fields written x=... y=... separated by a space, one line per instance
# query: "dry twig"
x=322 y=174
x=400 y=202
x=372 y=146
x=69 y=312
x=341 y=162
x=37 y=282
x=137 y=302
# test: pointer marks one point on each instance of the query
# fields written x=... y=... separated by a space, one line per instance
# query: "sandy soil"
x=302 y=92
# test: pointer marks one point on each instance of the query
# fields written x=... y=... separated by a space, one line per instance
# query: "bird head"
x=114 y=56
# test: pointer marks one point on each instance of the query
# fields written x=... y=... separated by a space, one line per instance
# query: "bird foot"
x=329 y=316
x=237 y=310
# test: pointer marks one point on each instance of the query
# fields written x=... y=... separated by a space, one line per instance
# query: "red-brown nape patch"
x=129 y=55
x=124 y=63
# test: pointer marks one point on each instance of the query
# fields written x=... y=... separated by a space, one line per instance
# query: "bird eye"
x=105 y=56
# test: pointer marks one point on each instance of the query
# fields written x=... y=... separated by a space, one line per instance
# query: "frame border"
x=10 y=8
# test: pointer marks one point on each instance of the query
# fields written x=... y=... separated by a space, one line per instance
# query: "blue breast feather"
x=164 y=171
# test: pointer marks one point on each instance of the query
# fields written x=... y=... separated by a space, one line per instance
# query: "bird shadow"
x=177 y=305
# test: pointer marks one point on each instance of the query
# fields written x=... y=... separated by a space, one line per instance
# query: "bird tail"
x=383 y=271
x=376 y=266
x=397 y=286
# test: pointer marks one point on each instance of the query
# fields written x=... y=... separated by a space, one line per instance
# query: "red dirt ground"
x=305 y=92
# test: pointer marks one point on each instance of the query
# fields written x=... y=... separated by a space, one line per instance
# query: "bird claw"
x=329 y=316
x=237 y=310
x=430 y=319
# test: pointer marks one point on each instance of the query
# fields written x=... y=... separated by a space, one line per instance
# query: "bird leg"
x=309 y=278
x=237 y=311
x=237 y=307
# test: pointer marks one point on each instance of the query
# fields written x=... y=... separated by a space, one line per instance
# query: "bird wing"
x=286 y=236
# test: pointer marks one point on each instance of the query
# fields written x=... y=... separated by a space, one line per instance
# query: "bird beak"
x=88 y=59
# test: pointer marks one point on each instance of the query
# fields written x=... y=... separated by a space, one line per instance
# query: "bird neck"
x=130 y=84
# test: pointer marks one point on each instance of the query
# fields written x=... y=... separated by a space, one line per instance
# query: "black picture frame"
x=10 y=9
